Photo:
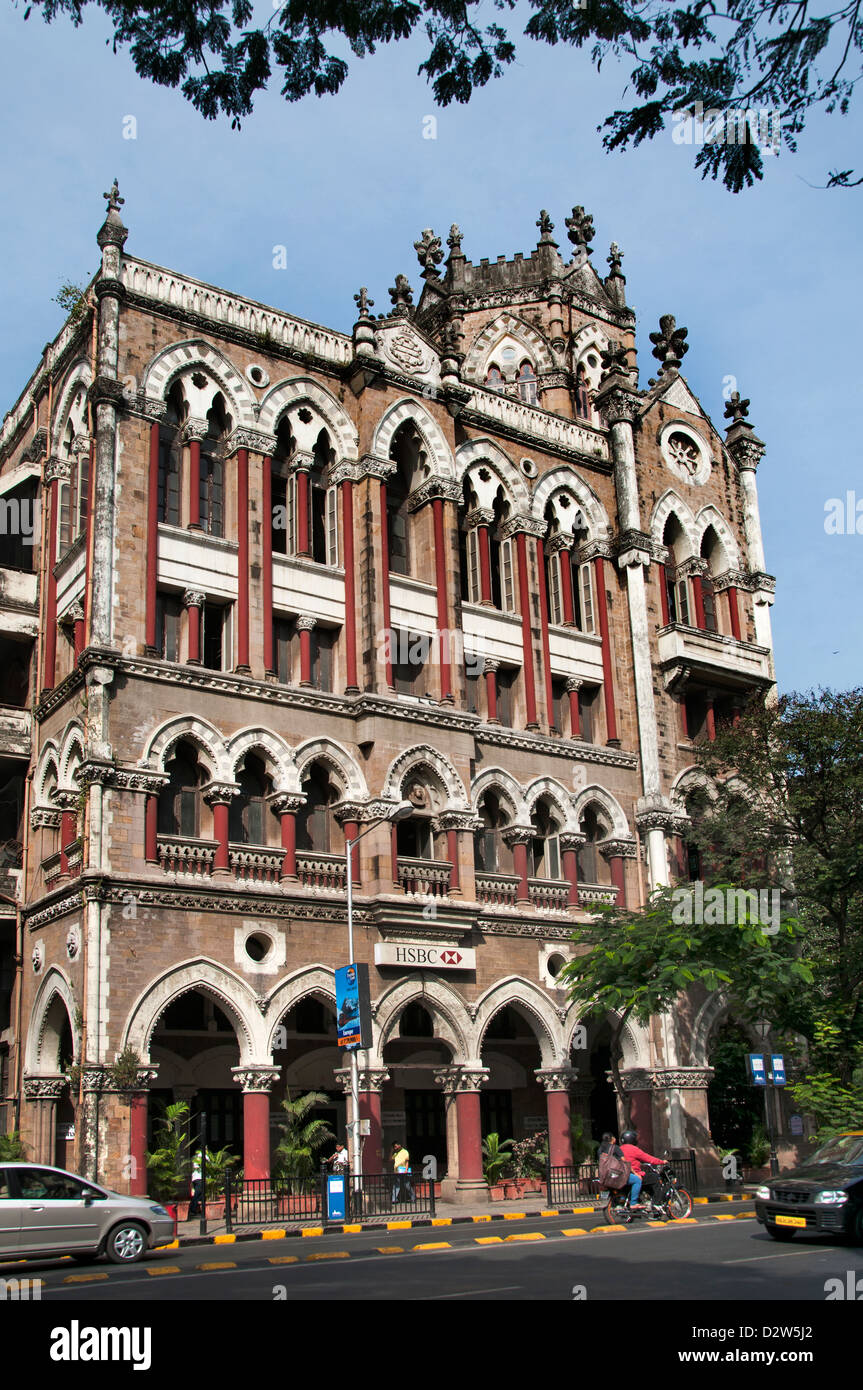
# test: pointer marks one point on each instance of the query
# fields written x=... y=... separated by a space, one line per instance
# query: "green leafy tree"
x=636 y=964
x=12 y=1149
x=302 y=1138
x=789 y=811
x=745 y=54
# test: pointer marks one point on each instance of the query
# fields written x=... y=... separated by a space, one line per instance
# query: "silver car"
x=47 y=1211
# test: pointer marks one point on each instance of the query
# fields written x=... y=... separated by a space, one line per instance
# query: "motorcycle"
x=667 y=1201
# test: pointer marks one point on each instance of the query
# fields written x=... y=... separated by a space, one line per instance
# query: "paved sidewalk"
x=446 y=1214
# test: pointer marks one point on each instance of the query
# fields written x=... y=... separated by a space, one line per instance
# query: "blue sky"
x=767 y=282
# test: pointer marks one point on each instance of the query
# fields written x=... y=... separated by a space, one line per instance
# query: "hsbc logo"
x=422 y=956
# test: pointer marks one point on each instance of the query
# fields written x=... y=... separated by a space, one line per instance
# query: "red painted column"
x=385 y=586
x=288 y=821
x=256 y=1134
x=526 y=641
x=607 y=678
x=573 y=685
x=373 y=1148
x=484 y=565
x=243 y=560
x=220 y=834
x=559 y=1134
x=734 y=613
x=78 y=637
x=305 y=626
x=352 y=831
x=543 y=626
x=151 y=823
x=618 y=878
x=469 y=1136
x=350 y=588
x=442 y=607
x=152 y=537
x=570 y=872
x=519 y=859
x=194 y=657
x=195 y=483
x=68 y=831
x=711 y=720
x=663 y=594
x=698 y=595
x=452 y=856
x=490 y=670
x=565 y=561
x=138 y=1143
x=303 y=512
x=267 y=560
x=49 y=672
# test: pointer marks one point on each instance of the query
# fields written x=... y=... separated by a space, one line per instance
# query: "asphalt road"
x=562 y=1258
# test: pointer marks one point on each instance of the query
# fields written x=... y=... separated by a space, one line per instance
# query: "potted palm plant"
x=295 y=1159
x=495 y=1161
x=169 y=1165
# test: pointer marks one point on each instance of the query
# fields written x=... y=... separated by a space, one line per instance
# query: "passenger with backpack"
x=615 y=1172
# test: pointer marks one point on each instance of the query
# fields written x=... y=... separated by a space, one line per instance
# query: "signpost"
x=768 y=1077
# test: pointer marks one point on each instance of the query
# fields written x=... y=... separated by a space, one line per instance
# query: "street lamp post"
x=763 y=1028
x=399 y=812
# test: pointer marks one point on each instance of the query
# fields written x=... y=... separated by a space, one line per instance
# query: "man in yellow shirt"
x=401 y=1166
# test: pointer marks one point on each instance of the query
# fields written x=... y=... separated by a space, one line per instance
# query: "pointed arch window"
x=526 y=383
x=180 y=797
x=492 y=855
x=583 y=406
x=494 y=378
x=317 y=828
x=544 y=848
x=591 y=866
x=248 y=818
x=212 y=475
x=170 y=460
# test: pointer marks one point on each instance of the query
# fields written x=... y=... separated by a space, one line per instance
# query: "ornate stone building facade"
x=289 y=578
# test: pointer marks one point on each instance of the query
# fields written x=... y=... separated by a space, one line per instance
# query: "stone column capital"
x=220 y=793
x=193 y=598
x=556 y=1078
x=284 y=803
x=306 y=623
x=194 y=429
x=572 y=839
x=456 y=1079
x=574 y=683
x=372 y=1079
x=256 y=1080
x=45 y=1087
x=618 y=849
x=479 y=516
x=518 y=834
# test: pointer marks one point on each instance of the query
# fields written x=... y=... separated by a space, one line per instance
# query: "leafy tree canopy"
x=759 y=55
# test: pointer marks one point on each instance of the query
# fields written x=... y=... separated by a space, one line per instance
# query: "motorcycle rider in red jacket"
x=635 y=1157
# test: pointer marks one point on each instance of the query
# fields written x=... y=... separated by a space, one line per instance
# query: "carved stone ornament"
x=37 y=957
x=45 y=1087
x=546 y=226
x=256 y=1080
x=401 y=295
x=670 y=345
x=618 y=849
x=372 y=1079
x=429 y=253
x=556 y=1078
x=193 y=598
x=220 y=793
x=735 y=408
x=73 y=941
x=579 y=229
x=454 y=239
x=456 y=1078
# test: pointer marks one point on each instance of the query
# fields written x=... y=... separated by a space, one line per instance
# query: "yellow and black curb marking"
x=422 y=1248
x=363 y=1228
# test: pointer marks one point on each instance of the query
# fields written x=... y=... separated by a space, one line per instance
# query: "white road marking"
x=471 y=1293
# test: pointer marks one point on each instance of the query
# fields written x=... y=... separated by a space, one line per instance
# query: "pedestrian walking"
x=402 y=1190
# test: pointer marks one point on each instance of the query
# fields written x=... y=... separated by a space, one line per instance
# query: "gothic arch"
x=228 y=990
x=507 y=788
x=78 y=375
x=297 y=390
x=48 y=762
x=635 y=1040
x=54 y=986
x=691 y=779
x=341 y=763
x=423 y=755
x=204 y=735
x=448 y=1010
x=477 y=451
x=612 y=808
x=590 y=336
x=565 y=479
x=440 y=459
x=557 y=794
x=711 y=516
x=671 y=504
x=535 y=1008
x=506 y=325
x=312 y=981
x=73 y=739
x=196 y=354
x=274 y=749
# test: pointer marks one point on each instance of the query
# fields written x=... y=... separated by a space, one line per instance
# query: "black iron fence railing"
x=571 y=1184
x=279 y=1201
x=683 y=1166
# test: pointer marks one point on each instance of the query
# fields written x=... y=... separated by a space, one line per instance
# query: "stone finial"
x=736 y=410
x=363 y=303
x=670 y=344
x=614 y=360
x=401 y=295
x=614 y=258
x=579 y=229
x=112 y=232
x=429 y=253
x=113 y=198
x=545 y=224
x=453 y=241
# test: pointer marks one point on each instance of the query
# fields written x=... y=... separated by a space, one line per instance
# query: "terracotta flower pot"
x=495 y=1192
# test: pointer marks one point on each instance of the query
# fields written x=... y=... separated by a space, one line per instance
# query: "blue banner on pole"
x=778 y=1064
x=757 y=1069
x=353 y=1007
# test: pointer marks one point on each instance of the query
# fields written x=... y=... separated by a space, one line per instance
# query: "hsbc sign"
x=416 y=957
